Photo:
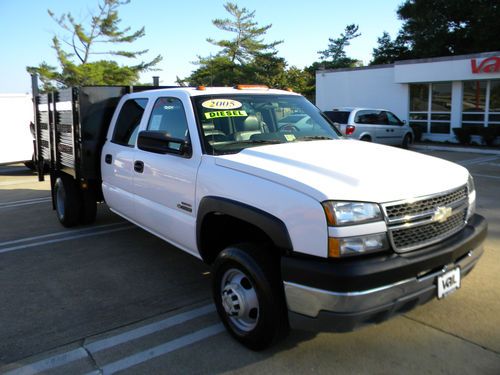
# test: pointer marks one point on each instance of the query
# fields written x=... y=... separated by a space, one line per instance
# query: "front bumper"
x=342 y=295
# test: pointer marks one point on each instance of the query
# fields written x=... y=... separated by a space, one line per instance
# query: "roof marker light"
x=251 y=87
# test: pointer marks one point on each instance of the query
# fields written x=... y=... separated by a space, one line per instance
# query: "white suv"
x=372 y=125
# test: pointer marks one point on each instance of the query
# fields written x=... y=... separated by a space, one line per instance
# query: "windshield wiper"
x=254 y=141
x=314 y=138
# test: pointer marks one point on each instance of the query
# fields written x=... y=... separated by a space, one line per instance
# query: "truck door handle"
x=108 y=158
x=139 y=166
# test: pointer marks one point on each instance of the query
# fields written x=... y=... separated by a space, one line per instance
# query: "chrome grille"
x=412 y=223
x=426 y=234
x=405 y=209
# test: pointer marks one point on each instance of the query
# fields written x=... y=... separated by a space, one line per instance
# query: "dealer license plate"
x=448 y=283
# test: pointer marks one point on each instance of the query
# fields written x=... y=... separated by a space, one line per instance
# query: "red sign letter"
x=489 y=65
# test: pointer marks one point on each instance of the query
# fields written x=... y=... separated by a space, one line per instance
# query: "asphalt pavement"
x=110 y=297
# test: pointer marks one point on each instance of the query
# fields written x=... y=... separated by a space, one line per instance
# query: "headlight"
x=471 y=190
x=347 y=213
x=347 y=246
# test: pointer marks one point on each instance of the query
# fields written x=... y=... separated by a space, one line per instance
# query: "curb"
x=455 y=149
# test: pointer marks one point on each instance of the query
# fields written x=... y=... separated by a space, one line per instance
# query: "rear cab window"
x=127 y=125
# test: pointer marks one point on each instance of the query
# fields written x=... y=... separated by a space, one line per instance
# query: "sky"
x=177 y=30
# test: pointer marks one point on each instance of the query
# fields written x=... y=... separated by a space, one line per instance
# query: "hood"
x=348 y=170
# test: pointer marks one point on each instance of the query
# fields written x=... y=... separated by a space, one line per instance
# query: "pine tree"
x=76 y=67
x=335 y=54
x=248 y=41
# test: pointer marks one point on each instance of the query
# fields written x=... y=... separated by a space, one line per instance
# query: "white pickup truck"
x=302 y=227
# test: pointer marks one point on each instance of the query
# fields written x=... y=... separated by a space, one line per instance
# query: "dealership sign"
x=489 y=65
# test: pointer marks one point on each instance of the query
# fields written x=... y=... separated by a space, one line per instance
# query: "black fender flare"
x=273 y=227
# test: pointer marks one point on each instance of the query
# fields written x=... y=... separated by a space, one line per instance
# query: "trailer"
x=16 y=141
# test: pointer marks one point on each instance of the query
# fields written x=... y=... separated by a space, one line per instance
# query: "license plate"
x=448 y=282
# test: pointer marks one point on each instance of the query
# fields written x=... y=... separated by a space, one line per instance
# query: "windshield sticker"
x=290 y=137
x=218 y=114
x=221 y=104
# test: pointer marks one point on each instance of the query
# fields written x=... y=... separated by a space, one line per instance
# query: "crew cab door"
x=165 y=187
x=118 y=155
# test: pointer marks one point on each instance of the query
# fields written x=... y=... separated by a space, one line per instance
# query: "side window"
x=382 y=118
x=367 y=117
x=168 y=116
x=393 y=120
x=127 y=125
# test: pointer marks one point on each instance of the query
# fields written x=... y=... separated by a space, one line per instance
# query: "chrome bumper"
x=309 y=301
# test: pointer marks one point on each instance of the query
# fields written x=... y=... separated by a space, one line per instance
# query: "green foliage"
x=335 y=56
x=433 y=28
x=265 y=69
x=246 y=58
x=75 y=66
x=389 y=50
x=215 y=71
x=248 y=41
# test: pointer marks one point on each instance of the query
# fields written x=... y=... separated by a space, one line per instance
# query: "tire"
x=366 y=138
x=249 y=297
x=88 y=209
x=66 y=200
x=406 y=141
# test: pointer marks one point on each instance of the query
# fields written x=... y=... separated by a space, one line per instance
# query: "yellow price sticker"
x=218 y=114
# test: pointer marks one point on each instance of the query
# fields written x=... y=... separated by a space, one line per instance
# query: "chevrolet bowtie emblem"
x=442 y=214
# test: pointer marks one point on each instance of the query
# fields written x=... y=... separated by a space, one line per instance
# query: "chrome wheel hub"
x=239 y=300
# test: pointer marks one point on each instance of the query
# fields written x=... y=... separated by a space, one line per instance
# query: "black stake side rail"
x=71 y=126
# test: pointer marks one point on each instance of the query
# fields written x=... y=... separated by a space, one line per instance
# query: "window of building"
x=494 y=104
x=430 y=107
x=480 y=105
x=127 y=125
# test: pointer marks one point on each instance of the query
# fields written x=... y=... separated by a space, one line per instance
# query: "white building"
x=437 y=94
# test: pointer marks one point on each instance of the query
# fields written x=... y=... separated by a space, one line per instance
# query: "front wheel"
x=249 y=296
x=407 y=141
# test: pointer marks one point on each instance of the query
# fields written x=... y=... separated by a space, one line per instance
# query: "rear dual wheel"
x=73 y=206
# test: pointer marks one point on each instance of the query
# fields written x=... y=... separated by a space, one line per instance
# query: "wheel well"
x=218 y=231
x=366 y=136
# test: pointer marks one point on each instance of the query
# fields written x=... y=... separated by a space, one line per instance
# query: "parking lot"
x=110 y=297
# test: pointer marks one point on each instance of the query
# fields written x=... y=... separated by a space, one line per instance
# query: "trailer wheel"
x=88 y=210
x=66 y=201
x=249 y=296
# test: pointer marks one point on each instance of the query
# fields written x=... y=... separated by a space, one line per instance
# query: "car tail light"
x=349 y=129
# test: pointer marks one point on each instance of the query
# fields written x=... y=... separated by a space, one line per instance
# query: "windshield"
x=231 y=123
